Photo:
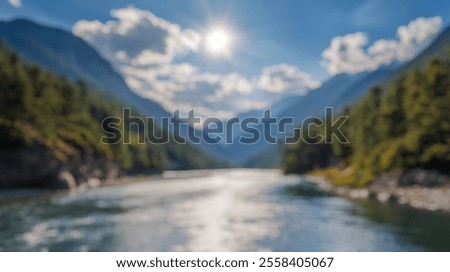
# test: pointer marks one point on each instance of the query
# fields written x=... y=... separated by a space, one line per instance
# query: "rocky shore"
x=418 y=188
x=37 y=168
x=20 y=193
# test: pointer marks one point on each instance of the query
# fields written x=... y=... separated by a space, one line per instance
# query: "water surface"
x=215 y=210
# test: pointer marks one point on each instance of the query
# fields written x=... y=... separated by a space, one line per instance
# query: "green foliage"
x=39 y=107
x=404 y=126
x=303 y=157
x=408 y=126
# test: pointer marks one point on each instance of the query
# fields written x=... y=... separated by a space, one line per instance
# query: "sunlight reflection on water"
x=214 y=210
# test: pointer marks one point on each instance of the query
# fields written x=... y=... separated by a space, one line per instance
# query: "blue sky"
x=283 y=40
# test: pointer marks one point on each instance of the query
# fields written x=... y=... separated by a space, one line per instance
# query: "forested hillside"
x=49 y=124
x=402 y=126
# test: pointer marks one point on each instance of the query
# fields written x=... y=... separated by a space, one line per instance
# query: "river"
x=215 y=210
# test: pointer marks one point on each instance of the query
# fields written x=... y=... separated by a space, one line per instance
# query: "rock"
x=343 y=191
x=34 y=166
x=362 y=193
x=65 y=180
x=417 y=188
x=386 y=181
x=93 y=182
x=422 y=177
x=38 y=167
x=420 y=188
x=386 y=197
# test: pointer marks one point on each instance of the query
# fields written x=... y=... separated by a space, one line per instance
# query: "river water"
x=215 y=210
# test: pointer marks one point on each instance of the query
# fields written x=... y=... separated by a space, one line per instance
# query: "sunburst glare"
x=218 y=41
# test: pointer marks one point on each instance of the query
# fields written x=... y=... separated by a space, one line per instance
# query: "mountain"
x=68 y=55
x=62 y=52
x=344 y=90
x=438 y=48
x=337 y=92
x=54 y=133
x=398 y=132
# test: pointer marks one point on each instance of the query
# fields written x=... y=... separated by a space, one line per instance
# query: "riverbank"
x=418 y=188
x=17 y=193
x=214 y=210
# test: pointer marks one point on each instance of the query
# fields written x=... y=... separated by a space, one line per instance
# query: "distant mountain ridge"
x=64 y=53
x=337 y=92
x=343 y=89
x=68 y=55
x=438 y=48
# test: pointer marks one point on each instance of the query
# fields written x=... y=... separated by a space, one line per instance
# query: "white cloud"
x=186 y=87
x=148 y=51
x=139 y=36
x=16 y=3
x=350 y=54
x=282 y=77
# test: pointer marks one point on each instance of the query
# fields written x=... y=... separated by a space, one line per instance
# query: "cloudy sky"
x=270 y=50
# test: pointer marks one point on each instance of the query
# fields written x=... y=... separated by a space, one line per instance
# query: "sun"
x=218 y=41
